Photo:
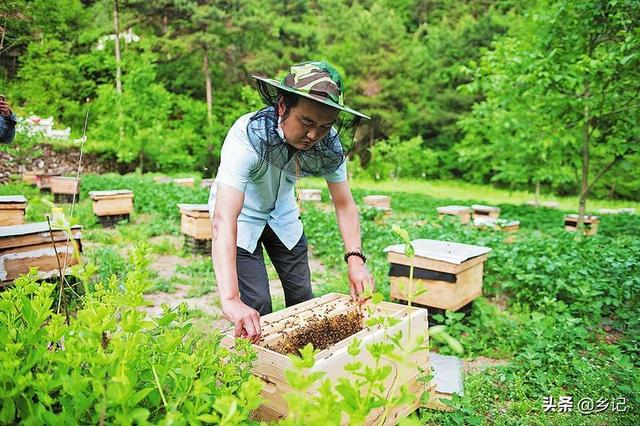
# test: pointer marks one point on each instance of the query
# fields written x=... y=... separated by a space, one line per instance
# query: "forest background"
x=538 y=94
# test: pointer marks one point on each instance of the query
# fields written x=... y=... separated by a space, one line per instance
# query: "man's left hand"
x=360 y=279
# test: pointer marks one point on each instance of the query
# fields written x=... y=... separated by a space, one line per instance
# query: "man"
x=7 y=122
x=252 y=200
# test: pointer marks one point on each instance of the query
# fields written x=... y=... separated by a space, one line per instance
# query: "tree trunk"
x=207 y=80
x=4 y=30
x=141 y=162
x=537 y=196
x=584 y=187
x=116 y=24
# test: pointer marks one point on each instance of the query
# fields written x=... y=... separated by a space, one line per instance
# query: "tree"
x=575 y=75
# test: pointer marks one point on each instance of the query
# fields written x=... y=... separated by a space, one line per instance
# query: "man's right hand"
x=245 y=319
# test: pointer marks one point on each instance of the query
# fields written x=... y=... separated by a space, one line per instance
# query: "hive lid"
x=110 y=193
x=447 y=373
x=30 y=228
x=445 y=251
x=493 y=222
x=194 y=207
x=12 y=199
x=453 y=209
x=586 y=216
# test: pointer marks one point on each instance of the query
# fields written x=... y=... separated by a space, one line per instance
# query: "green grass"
x=459 y=190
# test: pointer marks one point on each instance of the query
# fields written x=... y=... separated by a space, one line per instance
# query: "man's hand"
x=245 y=319
x=5 y=109
x=360 y=279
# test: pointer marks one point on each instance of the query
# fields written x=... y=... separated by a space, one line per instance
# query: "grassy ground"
x=459 y=190
x=559 y=310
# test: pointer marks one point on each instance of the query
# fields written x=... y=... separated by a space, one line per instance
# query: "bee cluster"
x=321 y=331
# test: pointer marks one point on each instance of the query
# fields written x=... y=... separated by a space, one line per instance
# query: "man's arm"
x=349 y=224
x=229 y=203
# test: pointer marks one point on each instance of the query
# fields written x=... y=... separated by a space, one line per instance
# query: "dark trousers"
x=292 y=267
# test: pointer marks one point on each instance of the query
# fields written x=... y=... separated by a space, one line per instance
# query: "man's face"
x=307 y=122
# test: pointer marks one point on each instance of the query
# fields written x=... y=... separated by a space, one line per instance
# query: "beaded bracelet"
x=355 y=253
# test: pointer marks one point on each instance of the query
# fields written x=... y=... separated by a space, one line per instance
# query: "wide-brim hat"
x=318 y=81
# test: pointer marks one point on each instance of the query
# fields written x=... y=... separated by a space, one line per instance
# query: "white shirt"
x=268 y=192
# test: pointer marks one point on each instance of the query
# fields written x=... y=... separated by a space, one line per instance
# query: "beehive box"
x=162 y=179
x=590 y=223
x=379 y=201
x=65 y=189
x=310 y=195
x=463 y=213
x=112 y=206
x=184 y=181
x=43 y=181
x=24 y=246
x=29 y=177
x=12 y=209
x=501 y=224
x=195 y=224
x=451 y=273
x=480 y=210
x=547 y=204
x=271 y=366
x=207 y=183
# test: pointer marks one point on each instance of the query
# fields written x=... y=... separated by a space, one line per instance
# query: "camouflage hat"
x=318 y=81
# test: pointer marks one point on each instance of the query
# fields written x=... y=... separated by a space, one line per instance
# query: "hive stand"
x=463 y=213
x=271 y=366
x=112 y=206
x=590 y=223
x=446 y=275
x=65 y=189
x=195 y=224
x=24 y=246
x=12 y=209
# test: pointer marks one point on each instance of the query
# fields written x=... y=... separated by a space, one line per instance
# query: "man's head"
x=309 y=100
x=307 y=105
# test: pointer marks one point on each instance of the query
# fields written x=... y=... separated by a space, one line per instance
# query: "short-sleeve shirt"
x=269 y=196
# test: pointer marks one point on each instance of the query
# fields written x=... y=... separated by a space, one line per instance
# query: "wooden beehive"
x=378 y=201
x=184 y=181
x=12 y=209
x=271 y=366
x=30 y=245
x=480 y=210
x=112 y=206
x=65 y=189
x=590 y=223
x=195 y=221
x=162 y=179
x=207 y=183
x=29 y=177
x=451 y=273
x=547 y=204
x=501 y=224
x=310 y=195
x=463 y=213
x=43 y=181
